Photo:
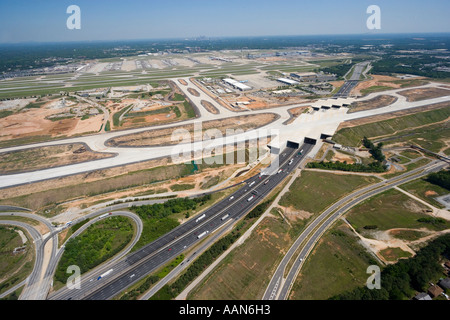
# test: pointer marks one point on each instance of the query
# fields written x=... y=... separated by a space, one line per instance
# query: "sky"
x=45 y=20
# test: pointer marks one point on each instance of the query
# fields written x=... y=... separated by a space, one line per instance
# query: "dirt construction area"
x=46 y=119
x=386 y=81
x=424 y=94
x=164 y=136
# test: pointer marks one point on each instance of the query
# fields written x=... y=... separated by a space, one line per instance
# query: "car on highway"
x=231 y=198
x=280 y=171
x=266 y=182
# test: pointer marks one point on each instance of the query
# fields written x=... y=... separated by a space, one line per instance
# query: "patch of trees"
x=376 y=167
x=157 y=220
x=441 y=178
x=95 y=245
x=411 y=65
x=340 y=70
x=258 y=210
x=375 y=151
x=432 y=220
x=133 y=294
x=401 y=280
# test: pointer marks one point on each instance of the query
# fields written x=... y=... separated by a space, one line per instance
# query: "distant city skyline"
x=102 y=20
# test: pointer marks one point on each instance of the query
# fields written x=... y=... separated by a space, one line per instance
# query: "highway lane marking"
x=343 y=208
x=260 y=182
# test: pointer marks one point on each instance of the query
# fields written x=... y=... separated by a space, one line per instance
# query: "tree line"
x=401 y=280
x=441 y=178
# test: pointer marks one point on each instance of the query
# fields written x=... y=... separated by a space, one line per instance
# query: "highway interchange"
x=280 y=286
x=126 y=269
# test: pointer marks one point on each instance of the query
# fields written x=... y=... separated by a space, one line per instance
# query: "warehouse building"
x=237 y=85
x=287 y=81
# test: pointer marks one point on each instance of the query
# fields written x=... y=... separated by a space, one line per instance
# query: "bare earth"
x=424 y=94
x=208 y=106
x=47 y=157
x=164 y=136
x=377 y=102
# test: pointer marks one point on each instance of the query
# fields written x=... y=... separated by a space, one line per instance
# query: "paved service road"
x=340 y=207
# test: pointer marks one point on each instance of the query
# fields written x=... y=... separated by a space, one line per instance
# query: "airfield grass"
x=388 y=210
x=411 y=154
x=338 y=263
x=14 y=268
x=352 y=136
x=315 y=191
x=425 y=191
x=375 y=89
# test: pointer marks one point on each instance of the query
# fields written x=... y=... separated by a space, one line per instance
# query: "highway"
x=348 y=86
x=54 y=262
x=279 y=287
x=149 y=258
x=29 y=290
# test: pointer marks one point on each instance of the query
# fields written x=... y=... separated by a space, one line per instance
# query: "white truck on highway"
x=225 y=216
x=251 y=184
x=250 y=199
x=200 y=218
x=201 y=235
x=105 y=274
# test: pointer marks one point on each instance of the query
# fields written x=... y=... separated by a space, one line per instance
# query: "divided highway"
x=279 y=287
x=154 y=255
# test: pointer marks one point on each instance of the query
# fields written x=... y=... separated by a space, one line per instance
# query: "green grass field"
x=338 y=263
x=353 y=136
x=388 y=210
x=246 y=271
x=425 y=191
x=14 y=268
x=315 y=191
x=393 y=254
x=375 y=89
